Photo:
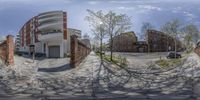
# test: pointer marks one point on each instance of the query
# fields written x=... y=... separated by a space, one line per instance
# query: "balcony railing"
x=55 y=25
x=50 y=21
x=50 y=15
x=50 y=18
x=51 y=32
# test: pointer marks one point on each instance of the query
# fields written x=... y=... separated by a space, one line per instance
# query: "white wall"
x=39 y=47
x=65 y=42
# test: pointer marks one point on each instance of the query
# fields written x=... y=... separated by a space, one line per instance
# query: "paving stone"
x=32 y=91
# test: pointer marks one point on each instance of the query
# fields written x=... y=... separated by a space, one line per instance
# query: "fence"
x=7 y=50
x=79 y=51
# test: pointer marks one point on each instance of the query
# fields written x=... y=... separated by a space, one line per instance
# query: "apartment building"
x=125 y=42
x=156 y=42
x=17 y=42
x=162 y=42
x=48 y=34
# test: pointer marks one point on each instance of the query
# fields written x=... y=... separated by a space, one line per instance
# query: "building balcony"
x=50 y=36
x=51 y=25
x=51 y=14
x=50 y=19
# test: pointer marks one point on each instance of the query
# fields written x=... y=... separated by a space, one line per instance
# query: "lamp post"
x=32 y=50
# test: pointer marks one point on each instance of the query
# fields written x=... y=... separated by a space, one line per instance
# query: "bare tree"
x=97 y=27
x=114 y=24
x=146 y=26
x=191 y=34
x=173 y=29
x=86 y=36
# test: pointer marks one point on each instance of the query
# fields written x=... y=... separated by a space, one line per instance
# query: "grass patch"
x=118 y=60
x=164 y=63
x=114 y=59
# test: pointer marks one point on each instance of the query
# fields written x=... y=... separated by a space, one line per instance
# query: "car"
x=172 y=55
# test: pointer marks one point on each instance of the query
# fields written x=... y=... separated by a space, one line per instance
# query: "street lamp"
x=32 y=51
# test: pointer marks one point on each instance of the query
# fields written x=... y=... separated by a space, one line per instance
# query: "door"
x=54 y=51
x=141 y=49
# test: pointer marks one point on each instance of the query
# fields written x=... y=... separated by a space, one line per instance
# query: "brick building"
x=156 y=42
x=125 y=42
x=142 y=46
x=160 y=42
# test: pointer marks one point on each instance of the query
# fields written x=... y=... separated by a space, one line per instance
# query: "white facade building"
x=48 y=33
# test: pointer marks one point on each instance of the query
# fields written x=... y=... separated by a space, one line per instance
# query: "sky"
x=15 y=13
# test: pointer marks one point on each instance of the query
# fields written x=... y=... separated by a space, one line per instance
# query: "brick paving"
x=94 y=80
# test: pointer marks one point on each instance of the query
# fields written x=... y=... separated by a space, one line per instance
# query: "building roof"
x=129 y=33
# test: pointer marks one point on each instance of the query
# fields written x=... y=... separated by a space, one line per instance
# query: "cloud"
x=189 y=15
x=140 y=8
x=149 y=7
x=93 y=2
x=120 y=2
x=126 y=8
x=177 y=9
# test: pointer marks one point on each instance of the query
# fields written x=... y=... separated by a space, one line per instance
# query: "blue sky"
x=14 y=13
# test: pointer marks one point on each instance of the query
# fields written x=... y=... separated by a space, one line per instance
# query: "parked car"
x=172 y=55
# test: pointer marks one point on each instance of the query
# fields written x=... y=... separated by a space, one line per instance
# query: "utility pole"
x=32 y=50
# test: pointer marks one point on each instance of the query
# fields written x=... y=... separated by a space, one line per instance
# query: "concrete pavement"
x=104 y=80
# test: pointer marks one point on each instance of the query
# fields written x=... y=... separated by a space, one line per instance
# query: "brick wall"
x=65 y=25
x=197 y=50
x=7 y=50
x=78 y=51
x=125 y=42
x=161 y=42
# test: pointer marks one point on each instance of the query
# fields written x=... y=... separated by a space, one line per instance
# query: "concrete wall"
x=39 y=47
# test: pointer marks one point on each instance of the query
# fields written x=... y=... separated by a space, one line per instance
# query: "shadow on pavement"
x=55 y=69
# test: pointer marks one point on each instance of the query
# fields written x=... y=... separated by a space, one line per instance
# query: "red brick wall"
x=28 y=30
x=197 y=50
x=78 y=51
x=125 y=42
x=7 y=50
x=160 y=42
x=36 y=29
x=22 y=36
x=65 y=25
x=3 y=47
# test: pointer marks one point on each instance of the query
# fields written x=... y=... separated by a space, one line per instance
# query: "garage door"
x=54 y=51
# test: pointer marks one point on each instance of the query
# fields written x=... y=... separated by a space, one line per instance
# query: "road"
x=140 y=60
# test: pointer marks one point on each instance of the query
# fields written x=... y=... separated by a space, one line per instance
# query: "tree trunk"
x=175 y=47
x=101 y=49
x=167 y=44
x=111 y=48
